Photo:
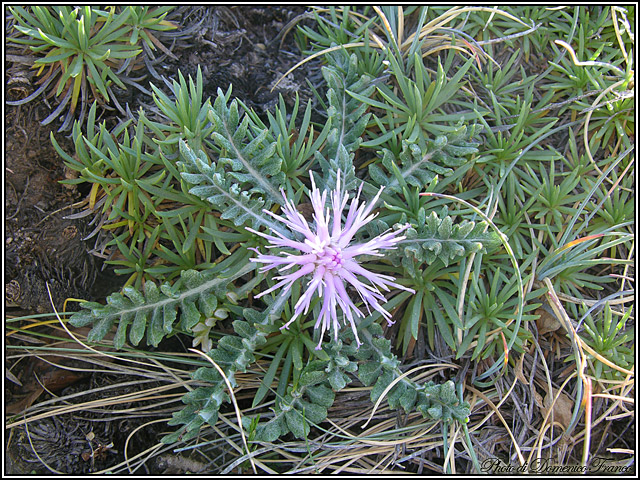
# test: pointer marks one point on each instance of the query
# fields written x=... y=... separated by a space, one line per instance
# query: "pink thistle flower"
x=327 y=256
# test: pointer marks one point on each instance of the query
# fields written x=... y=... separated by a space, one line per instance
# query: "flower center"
x=330 y=257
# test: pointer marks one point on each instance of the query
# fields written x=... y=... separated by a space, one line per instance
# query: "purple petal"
x=282 y=241
x=359 y=221
x=287 y=280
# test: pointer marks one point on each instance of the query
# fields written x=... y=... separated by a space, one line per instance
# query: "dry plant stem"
x=617 y=384
x=454 y=438
x=356 y=456
x=589 y=63
x=246 y=457
x=590 y=303
x=387 y=26
x=586 y=128
x=493 y=12
x=379 y=443
x=150 y=452
x=579 y=346
x=505 y=242
x=615 y=397
x=547 y=372
x=616 y=27
x=31 y=325
x=450 y=15
x=73 y=205
x=353 y=460
x=359 y=20
x=66 y=398
x=508 y=37
x=109 y=367
x=549 y=416
x=628 y=387
x=42 y=385
x=235 y=404
x=390 y=457
x=627 y=266
x=352 y=457
x=127 y=398
x=587 y=423
x=426 y=30
x=169 y=371
x=620 y=416
x=315 y=55
x=602 y=359
x=624 y=451
x=495 y=410
x=51 y=469
x=467 y=272
x=561 y=315
x=287 y=28
x=130 y=436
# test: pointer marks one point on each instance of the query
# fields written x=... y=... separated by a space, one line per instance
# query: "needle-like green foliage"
x=82 y=51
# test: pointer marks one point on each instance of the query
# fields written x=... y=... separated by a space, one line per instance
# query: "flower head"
x=327 y=256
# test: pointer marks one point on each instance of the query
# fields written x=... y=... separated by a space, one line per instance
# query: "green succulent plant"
x=81 y=52
x=78 y=50
x=611 y=338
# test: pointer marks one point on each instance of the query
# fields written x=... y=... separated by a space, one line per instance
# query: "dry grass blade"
x=387 y=26
x=130 y=401
x=126 y=443
x=52 y=470
x=235 y=404
x=614 y=397
x=587 y=423
x=404 y=46
x=616 y=27
x=149 y=452
x=316 y=55
x=578 y=342
x=80 y=342
x=587 y=120
x=145 y=395
x=626 y=388
x=246 y=454
x=450 y=15
x=495 y=409
x=590 y=63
